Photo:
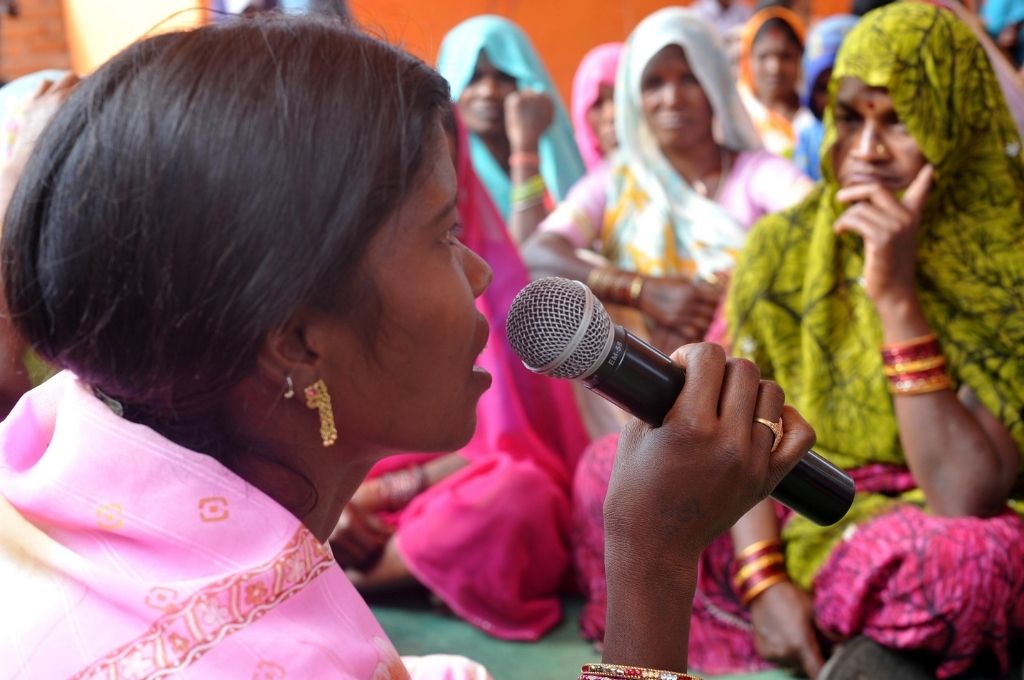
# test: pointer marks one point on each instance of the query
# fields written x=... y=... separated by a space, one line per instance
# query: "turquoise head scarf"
x=510 y=51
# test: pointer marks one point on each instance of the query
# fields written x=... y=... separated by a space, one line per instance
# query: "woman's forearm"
x=526 y=215
x=961 y=469
x=760 y=523
x=549 y=254
x=649 y=608
x=443 y=466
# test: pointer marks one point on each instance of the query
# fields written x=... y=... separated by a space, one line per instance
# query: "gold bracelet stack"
x=759 y=566
x=915 y=366
x=595 y=671
x=615 y=285
x=528 y=194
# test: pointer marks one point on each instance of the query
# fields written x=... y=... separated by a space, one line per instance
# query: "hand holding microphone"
x=558 y=328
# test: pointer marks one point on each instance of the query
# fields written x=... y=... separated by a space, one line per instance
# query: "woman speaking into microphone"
x=240 y=243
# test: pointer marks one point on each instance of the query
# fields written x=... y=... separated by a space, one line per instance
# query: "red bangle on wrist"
x=519 y=158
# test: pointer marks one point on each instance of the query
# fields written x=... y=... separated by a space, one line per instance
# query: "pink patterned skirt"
x=952 y=587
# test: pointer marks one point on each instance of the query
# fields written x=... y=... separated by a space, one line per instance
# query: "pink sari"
x=492 y=539
x=124 y=555
x=597 y=68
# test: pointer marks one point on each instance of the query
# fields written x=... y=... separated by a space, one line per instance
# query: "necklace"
x=701 y=187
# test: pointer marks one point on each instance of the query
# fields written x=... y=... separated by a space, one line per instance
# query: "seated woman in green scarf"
x=890 y=307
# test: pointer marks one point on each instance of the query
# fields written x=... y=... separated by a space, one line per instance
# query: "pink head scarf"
x=525 y=414
x=597 y=68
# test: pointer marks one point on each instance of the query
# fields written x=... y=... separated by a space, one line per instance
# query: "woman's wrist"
x=397 y=489
x=900 y=314
x=649 y=606
x=617 y=286
x=524 y=143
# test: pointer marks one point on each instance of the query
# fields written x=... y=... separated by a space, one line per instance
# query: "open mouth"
x=479 y=371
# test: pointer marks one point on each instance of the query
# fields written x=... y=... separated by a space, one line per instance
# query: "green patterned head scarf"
x=797 y=307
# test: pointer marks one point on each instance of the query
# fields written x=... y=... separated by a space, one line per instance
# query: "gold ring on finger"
x=776 y=429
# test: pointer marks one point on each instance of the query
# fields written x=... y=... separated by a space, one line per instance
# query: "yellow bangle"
x=610 y=670
x=921 y=386
x=597 y=280
x=749 y=570
x=636 y=286
x=915 y=366
x=760 y=587
x=756 y=546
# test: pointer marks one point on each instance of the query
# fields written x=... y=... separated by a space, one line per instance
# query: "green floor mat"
x=417 y=629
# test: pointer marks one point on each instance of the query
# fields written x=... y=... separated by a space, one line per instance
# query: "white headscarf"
x=703 y=231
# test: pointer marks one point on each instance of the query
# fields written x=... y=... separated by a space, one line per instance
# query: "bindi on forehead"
x=877 y=102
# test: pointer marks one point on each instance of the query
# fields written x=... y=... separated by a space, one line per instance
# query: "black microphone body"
x=639 y=379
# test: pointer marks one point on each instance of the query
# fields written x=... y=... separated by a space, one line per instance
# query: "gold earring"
x=319 y=399
x=290 y=392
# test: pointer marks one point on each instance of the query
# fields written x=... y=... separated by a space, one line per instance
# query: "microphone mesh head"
x=543 y=324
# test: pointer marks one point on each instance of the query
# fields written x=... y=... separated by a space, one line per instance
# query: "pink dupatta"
x=124 y=555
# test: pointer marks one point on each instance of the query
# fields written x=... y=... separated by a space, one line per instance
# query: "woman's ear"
x=286 y=358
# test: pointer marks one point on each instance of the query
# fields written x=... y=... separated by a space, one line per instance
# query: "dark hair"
x=782 y=26
x=195 y=192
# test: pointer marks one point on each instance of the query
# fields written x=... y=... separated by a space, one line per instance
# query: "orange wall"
x=98 y=29
x=34 y=40
x=561 y=30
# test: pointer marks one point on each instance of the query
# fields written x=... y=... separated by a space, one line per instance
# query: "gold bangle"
x=749 y=569
x=755 y=547
x=915 y=365
x=760 y=587
x=610 y=670
x=597 y=279
x=921 y=386
x=636 y=287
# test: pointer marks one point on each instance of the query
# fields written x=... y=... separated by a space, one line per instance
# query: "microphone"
x=559 y=328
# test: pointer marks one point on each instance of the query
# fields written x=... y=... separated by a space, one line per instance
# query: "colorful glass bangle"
x=756 y=548
x=751 y=593
x=749 y=569
x=526 y=205
x=523 y=158
x=528 y=190
x=918 y=375
x=915 y=365
x=599 y=280
x=921 y=385
x=911 y=352
x=752 y=579
x=608 y=670
x=622 y=287
x=636 y=287
x=767 y=550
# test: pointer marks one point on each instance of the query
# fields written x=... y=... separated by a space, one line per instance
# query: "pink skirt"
x=951 y=587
